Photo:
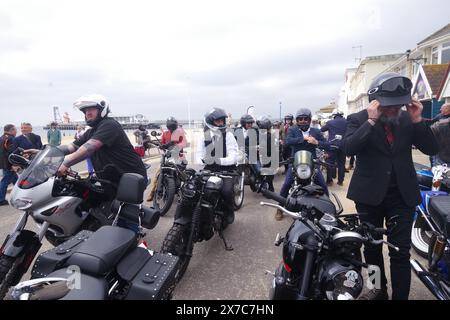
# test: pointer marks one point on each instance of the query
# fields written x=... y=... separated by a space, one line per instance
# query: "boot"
x=279 y=215
x=375 y=294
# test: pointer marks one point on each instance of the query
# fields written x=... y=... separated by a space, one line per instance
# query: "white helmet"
x=336 y=112
x=93 y=100
x=314 y=118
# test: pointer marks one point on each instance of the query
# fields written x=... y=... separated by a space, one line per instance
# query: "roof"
x=436 y=75
x=441 y=32
x=445 y=83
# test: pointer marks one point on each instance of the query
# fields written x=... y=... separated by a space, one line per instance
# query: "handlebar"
x=274 y=196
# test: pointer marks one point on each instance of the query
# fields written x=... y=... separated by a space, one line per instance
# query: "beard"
x=390 y=120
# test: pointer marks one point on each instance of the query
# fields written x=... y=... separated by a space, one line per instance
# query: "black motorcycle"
x=204 y=215
x=170 y=178
x=108 y=264
x=321 y=252
x=436 y=276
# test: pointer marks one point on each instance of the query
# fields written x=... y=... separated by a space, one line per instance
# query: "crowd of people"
x=381 y=137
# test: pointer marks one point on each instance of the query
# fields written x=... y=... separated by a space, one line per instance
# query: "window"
x=434 y=55
x=445 y=54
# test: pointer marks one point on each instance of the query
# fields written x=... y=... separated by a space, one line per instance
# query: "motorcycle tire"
x=168 y=194
x=8 y=273
x=175 y=243
x=238 y=193
x=420 y=239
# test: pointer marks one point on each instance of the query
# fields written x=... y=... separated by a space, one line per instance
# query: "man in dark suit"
x=302 y=137
x=384 y=182
x=336 y=126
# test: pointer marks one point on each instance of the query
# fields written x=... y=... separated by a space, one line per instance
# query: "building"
x=434 y=49
x=359 y=84
x=444 y=92
x=344 y=93
x=427 y=86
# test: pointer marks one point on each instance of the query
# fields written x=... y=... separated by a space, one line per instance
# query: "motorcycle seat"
x=439 y=209
x=103 y=250
x=88 y=287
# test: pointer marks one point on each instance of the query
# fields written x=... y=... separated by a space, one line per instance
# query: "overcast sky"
x=154 y=57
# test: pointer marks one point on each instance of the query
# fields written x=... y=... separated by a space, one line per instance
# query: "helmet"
x=212 y=115
x=171 y=124
x=340 y=280
x=264 y=122
x=246 y=118
x=390 y=89
x=93 y=100
x=276 y=123
x=303 y=112
x=337 y=113
x=289 y=116
x=314 y=118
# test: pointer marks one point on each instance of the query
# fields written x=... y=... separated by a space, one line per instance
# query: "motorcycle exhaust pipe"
x=438 y=251
x=429 y=281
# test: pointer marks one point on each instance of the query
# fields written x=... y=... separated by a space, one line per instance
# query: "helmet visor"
x=395 y=87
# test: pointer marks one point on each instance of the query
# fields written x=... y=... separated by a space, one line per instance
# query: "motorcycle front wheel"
x=238 y=192
x=164 y=194
x=9 y=272
x=420 y=239
x=175 y=243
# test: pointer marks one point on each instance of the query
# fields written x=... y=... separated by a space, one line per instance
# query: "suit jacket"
x=377 y=160
x=296 y=141
x=335 y=126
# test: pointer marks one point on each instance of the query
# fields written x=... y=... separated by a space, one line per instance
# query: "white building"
x=359 y=84
x=344 y=93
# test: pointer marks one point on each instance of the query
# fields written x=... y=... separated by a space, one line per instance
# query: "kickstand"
x=227 y=247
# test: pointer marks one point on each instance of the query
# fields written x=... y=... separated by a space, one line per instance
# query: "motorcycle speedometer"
x=303 y=171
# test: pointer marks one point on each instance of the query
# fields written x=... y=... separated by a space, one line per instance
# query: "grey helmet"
x=303 y=112
x=246 y=118
x=264 y=122
x=390 y=89
x=212 y=115
x=289 y=116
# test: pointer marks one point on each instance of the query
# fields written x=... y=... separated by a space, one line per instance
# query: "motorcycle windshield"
x=43 y=166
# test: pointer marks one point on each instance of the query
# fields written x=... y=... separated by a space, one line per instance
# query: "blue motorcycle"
x=433 y=182
x=434 y=220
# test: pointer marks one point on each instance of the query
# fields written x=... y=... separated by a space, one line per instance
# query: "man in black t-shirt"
x=105 y=143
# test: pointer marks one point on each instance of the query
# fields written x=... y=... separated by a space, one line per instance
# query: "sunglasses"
x=303 y=119
x=394 y=87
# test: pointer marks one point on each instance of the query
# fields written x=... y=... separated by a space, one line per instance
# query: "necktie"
x=389 y=134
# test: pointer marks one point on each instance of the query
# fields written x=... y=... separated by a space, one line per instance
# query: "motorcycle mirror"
x=338 y=137
x=154 y=133
x=18 y=160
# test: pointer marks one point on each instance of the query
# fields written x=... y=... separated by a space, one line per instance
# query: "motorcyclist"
x=174 y=137
x=106 y=143
x=247 y=137
x=265 y=150
x=288 y=122
x=302 y=137
x=217 y=149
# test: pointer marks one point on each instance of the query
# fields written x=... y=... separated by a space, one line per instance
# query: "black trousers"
x=338 y=158
x=400 y=236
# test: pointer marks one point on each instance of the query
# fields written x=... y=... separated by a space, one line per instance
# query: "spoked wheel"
x=420 y=239
x=175 y=243
x=238 y=191
x=164 y=195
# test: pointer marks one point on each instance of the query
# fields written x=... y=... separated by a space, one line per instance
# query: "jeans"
x=319 y=180
x=400 y=236
x=9 y=177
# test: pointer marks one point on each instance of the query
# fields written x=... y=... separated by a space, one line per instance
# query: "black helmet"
x=215 y=114
x=246 y=118
x=171 y=124
x=264 y=122
x=390 y=89
x=303 y=112
x=289 y=116
x=141 y=127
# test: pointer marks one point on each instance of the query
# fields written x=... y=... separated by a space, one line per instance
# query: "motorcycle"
x=432 y=183
x=436 y=276
x=60 y=206
x=171 y=177
x=204 y=215
x=108 y=264
x=321 y=251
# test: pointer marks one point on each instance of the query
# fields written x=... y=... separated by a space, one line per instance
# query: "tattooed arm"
x=83 y=152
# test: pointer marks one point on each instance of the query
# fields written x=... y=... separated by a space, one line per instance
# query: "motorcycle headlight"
x=303 y=171
x=21 y=203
